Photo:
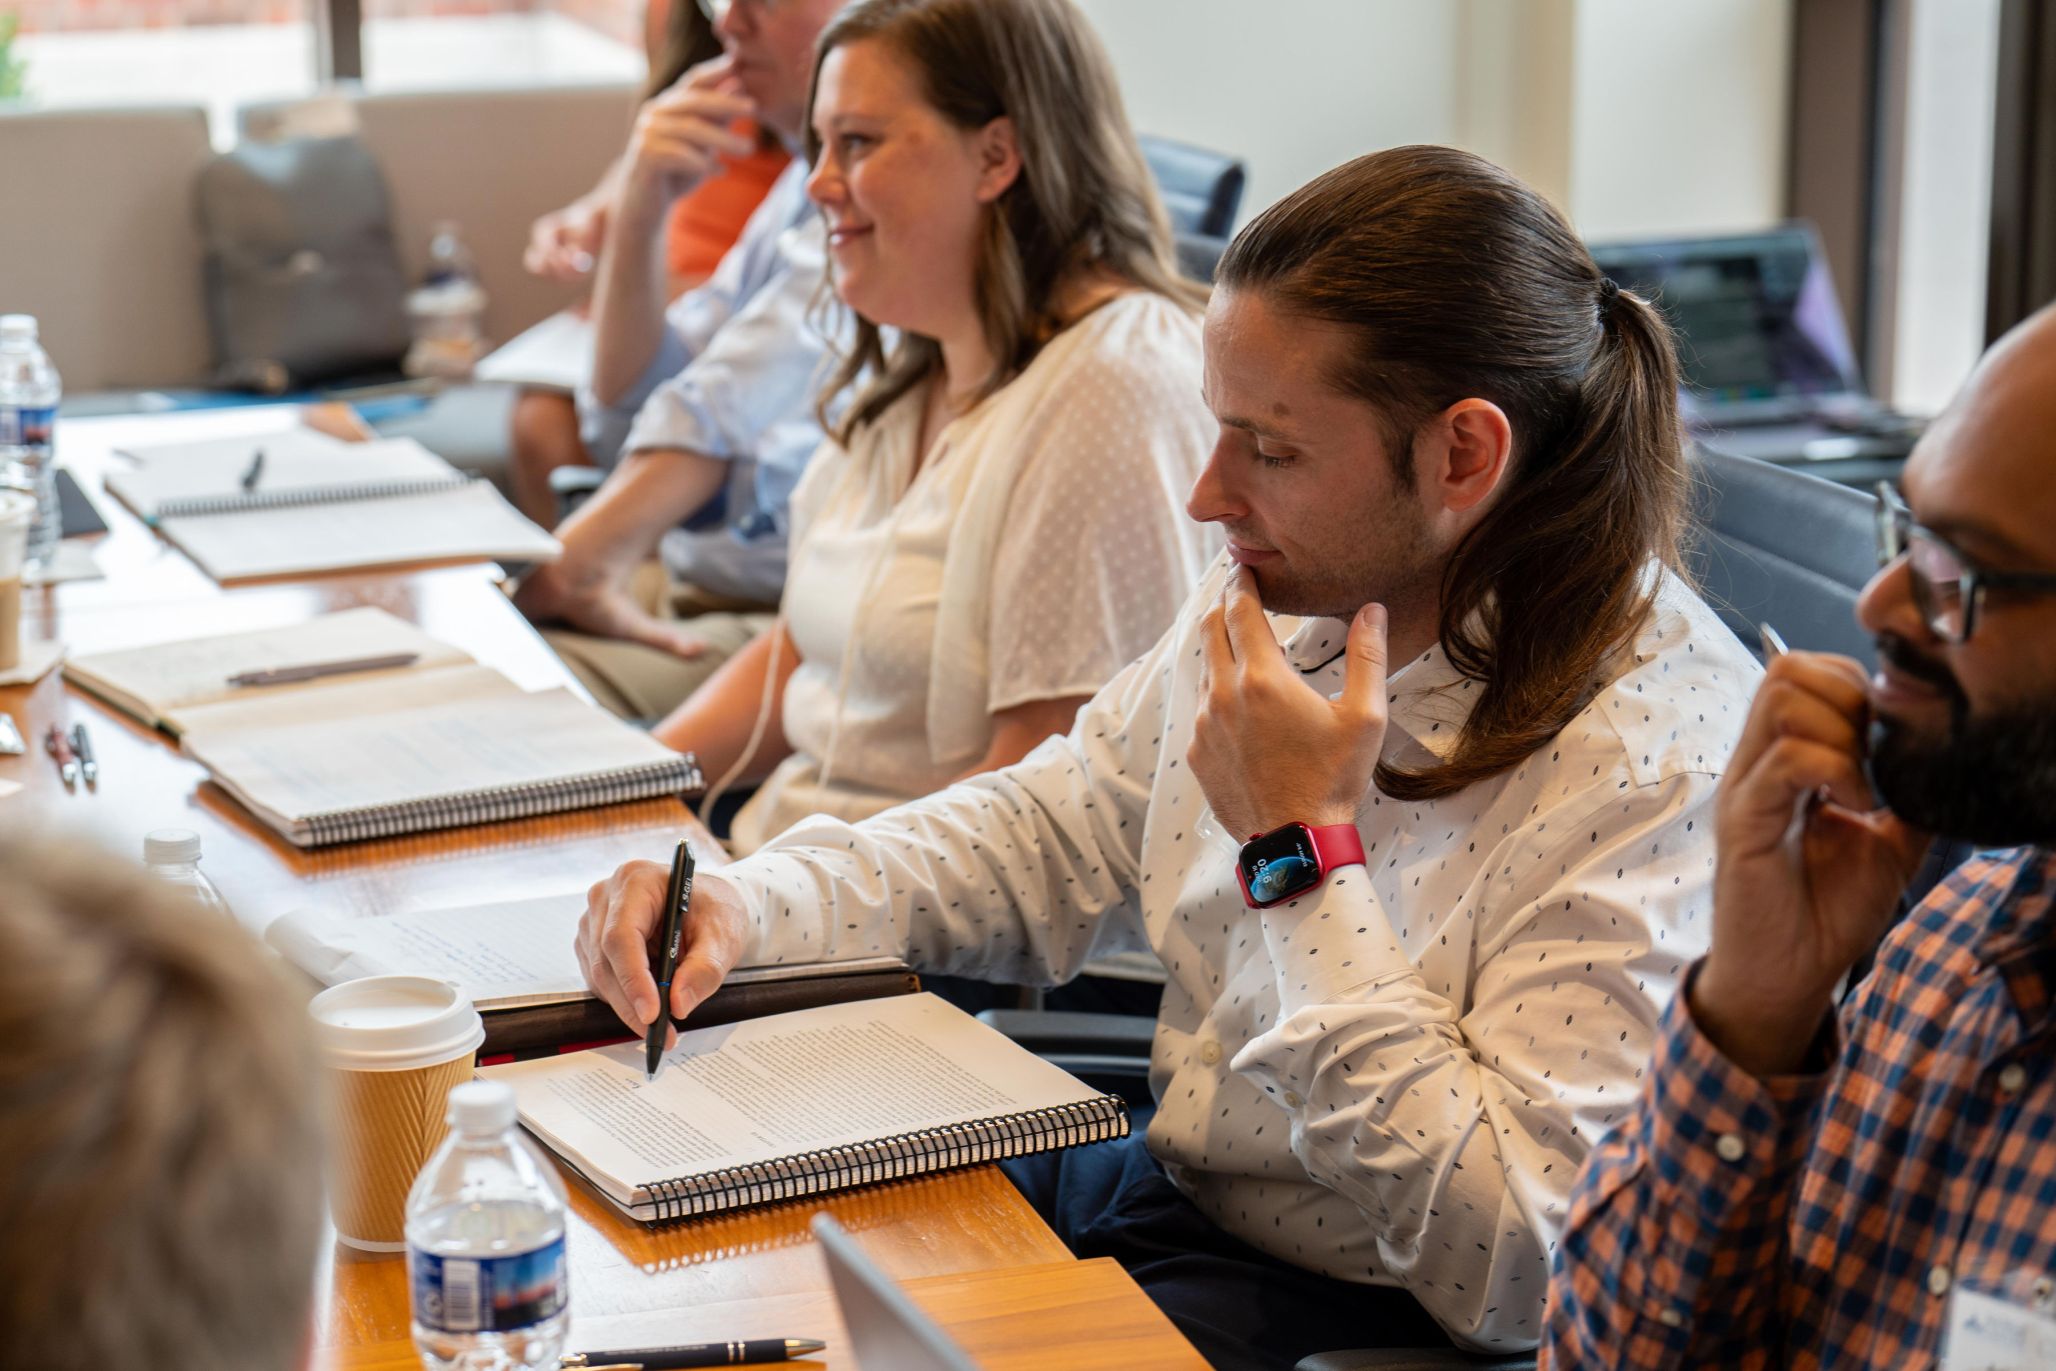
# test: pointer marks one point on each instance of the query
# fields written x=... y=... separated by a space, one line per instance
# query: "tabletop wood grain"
x=1079 y=1316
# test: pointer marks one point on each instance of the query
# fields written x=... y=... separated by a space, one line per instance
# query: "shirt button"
x=1292 y=1101
x=1210 y=1052
x=2012 y=1077
x=1730 y=1148
x=1938 y=1280
x=1671 y=1318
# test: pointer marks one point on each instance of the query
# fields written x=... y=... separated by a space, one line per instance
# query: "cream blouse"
x=1041 y=547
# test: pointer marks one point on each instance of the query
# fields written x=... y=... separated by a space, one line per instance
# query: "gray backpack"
x=303 y=278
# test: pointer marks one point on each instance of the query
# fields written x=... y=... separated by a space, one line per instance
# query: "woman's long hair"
x=1456 y=280
x=1083 y=201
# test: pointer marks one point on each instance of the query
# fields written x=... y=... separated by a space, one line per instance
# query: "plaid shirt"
x=1822 y=1220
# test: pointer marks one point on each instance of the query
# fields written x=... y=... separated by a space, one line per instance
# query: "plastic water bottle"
x=485 y=1243
x=172 y=855
x=29 y=391
x=448 y=311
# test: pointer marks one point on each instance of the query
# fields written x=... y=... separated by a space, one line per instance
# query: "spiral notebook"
x=799 y=1104
x=298 y=502
x=298 y=466
x=413 y=767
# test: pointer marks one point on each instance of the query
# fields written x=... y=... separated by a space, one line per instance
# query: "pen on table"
x=677 y=895
x=286 y=675
x=59 y=748
x=1773 y=645
x=256 y=470
x=83 y=745
x=694 y=1354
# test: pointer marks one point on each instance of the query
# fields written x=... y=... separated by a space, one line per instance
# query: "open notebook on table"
x=802 y=1104
x=514 y=959
x=165 y=684
x=299 y=502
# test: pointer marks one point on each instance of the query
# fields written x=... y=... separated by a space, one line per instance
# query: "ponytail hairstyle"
x=1084 y=199
x=1455 y=280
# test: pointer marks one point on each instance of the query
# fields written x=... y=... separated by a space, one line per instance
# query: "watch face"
x=1279 y=865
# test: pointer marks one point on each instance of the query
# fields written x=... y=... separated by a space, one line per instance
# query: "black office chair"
x=1201 y=190
x=1779 y=546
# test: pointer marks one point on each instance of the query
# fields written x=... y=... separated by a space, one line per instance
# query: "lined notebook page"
x=318 y=704
x=296 y=462
x=154 y=682
x=507 y=953
x=468 y=522
x=290 y=774
x=770 y=1088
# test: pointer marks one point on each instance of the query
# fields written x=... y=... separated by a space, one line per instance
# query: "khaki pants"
x=644 y=684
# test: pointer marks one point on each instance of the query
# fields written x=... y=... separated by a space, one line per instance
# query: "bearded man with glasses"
x=1875 y=1187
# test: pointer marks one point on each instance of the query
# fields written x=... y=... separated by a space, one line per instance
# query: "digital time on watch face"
x=1279 y=865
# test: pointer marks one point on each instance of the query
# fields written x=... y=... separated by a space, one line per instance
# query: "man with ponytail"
x=1452 y=681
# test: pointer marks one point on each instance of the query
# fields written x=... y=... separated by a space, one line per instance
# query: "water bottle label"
x=23 y=426
x=487 y=1294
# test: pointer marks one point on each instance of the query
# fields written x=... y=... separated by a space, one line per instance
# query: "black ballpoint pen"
x=676 y=897
x=693 y=1354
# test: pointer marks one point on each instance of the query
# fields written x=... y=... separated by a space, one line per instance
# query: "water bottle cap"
x=18 y=325
x=482 y=1107
x=169 y=845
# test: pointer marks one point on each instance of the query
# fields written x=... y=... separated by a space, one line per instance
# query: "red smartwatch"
x=1288 y=862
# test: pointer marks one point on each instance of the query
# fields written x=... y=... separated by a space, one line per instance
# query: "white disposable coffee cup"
x=17 y=513
x=396 y=1046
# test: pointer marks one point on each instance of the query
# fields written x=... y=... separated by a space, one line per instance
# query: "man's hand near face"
x=1809 y=869
x=1267 y=748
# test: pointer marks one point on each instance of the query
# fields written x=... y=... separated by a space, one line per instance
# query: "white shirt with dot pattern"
x=1392 y=1080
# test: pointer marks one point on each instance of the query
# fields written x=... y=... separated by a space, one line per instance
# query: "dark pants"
x=1244 y=1310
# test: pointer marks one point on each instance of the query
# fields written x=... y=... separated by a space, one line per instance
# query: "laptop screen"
x=1756 y=314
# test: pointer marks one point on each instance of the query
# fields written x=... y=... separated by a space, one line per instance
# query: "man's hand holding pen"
x=617 y=934
x=1810 y=867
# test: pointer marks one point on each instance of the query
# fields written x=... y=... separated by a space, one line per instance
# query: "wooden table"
x=745 y=1274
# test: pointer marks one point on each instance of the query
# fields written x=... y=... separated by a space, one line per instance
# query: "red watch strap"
x=1337 y=845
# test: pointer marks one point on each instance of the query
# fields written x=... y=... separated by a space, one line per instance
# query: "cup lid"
x=395 y=1023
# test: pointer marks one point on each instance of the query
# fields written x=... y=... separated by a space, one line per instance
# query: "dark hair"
x=1084 y=198
x=1456 y=280
x=688 y=40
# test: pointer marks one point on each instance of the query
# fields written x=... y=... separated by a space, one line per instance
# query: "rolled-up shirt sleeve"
x=763 y=365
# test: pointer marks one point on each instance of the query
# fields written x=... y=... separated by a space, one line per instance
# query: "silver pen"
x=1773 y=644
x=83 y=745
x=314 y=671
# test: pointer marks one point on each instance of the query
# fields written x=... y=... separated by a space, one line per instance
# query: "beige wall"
x=1293 y=86
x=1633 y=115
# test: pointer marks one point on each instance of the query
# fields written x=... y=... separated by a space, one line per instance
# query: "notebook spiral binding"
x=673 y=776
x=194 y=505
x=922 y=1152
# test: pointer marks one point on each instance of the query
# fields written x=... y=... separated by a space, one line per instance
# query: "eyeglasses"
x=1947 y=589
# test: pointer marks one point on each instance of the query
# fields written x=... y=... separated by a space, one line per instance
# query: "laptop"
x=887 y=1330
x=1761 y=338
